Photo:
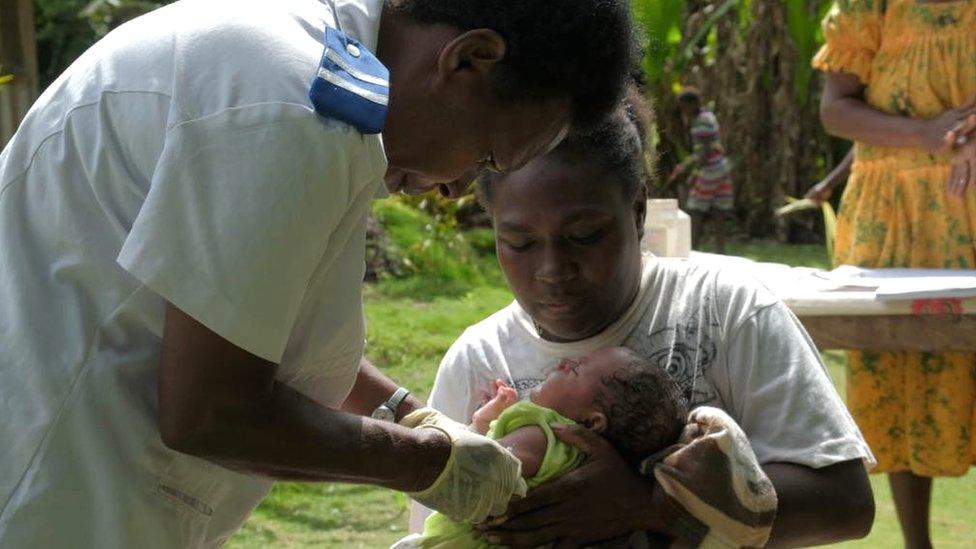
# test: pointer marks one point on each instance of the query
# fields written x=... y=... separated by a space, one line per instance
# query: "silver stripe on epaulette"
x=331 y=55
x=337 y=80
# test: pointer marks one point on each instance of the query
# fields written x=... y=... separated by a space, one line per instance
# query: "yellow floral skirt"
x=916 y=410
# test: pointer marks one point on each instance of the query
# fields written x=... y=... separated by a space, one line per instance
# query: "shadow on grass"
x=325 y=507
x=300 y=516
x=256 y=535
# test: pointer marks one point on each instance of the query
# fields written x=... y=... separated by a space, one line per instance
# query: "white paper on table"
x=852 y=290
x=784 y=280
x=905 y=283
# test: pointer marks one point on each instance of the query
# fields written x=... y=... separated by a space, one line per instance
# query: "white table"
x=857 y=319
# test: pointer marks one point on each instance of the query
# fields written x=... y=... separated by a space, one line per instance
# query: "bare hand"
x=963 y=132
x=963 y=172
x=676 y=173
x=602 y=499
x=502 y=397
x=945 y=132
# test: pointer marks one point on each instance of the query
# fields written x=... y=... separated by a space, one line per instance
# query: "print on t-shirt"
x=686 y=350
x=525 y=386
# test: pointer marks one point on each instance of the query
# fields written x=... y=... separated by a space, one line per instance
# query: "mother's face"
x=567 y=241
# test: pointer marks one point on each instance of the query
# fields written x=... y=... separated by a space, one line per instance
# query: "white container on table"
x=667 y=229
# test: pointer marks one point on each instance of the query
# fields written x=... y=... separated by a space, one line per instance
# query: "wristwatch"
x=387 y=410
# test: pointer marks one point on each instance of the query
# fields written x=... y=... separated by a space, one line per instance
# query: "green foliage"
x=802 y=33
x=668 y=50
x=705 y=32
x=482 y=240
x=432 y=246
x=105 y=15
x=5 y=78
x=66 y=28
x=804 y=27
x=62 y=35
x=661 y=23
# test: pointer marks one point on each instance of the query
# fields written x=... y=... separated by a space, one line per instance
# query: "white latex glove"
x=480 y=477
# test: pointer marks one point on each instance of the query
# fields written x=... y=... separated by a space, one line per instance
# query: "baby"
x=612 y=391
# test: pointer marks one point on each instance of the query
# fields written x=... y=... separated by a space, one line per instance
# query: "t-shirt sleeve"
x=463 y=378
x=782 y=397
x=239 y=214
x=852 y=36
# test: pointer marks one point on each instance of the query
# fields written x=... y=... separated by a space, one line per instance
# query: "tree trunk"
x=18 y=57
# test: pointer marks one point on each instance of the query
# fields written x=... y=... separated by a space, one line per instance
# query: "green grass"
x=800 y=255
x=410 y=327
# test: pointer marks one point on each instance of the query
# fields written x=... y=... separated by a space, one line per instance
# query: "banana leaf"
x=688 y=51
x=830 y=227
x=661 y=22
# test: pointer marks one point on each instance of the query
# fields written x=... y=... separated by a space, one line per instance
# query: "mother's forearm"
x=818 y=506
x=852 y=118
x=844 y=113
x=373 y=388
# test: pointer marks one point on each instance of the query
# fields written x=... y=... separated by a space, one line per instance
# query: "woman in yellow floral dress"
x=900 y=83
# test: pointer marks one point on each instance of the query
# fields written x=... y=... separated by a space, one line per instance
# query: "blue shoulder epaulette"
x=351 y=84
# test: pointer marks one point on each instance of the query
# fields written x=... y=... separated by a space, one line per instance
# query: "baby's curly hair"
x=646 y=409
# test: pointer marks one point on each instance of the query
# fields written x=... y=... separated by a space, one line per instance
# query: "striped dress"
x=711 y=184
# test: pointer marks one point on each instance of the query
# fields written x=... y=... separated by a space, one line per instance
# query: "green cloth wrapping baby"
x=559 y=459
x=612 y=391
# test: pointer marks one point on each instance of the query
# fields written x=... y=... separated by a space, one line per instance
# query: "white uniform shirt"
x=178 y=159
x=726 y=339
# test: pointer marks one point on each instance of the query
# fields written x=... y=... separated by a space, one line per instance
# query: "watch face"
x=384 y=413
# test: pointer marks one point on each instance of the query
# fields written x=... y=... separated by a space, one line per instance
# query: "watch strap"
x=397 y=398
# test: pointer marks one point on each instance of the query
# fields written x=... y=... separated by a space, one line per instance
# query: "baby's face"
x=572 y=387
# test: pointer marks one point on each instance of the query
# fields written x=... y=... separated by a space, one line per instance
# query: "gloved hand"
x=480 y=477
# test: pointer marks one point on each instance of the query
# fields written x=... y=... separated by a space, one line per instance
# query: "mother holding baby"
x=568 y=227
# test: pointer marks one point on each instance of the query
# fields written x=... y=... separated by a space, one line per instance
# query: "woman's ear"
x=477 y=50
x=596 y=422
x=640 y=210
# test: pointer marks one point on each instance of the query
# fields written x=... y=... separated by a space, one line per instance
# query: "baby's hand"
x=504 y=396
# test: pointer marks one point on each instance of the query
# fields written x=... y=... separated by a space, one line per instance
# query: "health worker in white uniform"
x=182 y=227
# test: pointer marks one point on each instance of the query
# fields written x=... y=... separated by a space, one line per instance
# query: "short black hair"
x=581 y=49
x=617 y=148
x=690 y=96
x=645 y=408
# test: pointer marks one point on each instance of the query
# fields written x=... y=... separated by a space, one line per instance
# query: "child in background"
x=612 y=391
x=711 y=192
